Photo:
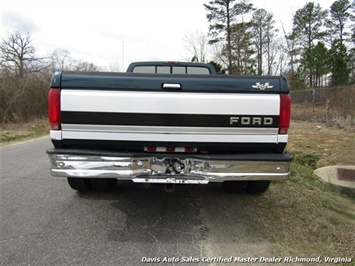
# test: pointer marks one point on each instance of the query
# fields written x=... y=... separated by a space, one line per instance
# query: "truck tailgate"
x=134 y=116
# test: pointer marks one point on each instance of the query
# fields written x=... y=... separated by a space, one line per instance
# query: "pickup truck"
x=169 y=123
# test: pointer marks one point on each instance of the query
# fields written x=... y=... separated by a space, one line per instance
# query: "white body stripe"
x=170 y=130
x=56 y=134
x=170 y=137
x=106 y=135
x=282 y=138
x=169 y=102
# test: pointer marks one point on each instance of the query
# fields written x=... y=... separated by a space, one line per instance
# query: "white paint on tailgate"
x=282 y=138
x=170 y=130
x=169 y=137
x=56 y=134
x=169 y=102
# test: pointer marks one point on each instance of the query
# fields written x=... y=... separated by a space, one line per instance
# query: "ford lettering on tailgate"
x=251 y=121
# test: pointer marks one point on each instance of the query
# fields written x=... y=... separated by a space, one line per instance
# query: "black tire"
x=235 y=186
x=258 y=187
x=79 y=184
x=103 y=184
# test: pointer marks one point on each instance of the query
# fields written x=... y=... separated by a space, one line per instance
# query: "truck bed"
x=167 y=128
x=134 y=111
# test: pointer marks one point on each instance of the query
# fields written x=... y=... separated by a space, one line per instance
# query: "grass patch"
x=306 y=217
x=306 y=160
x=304 y=165
x=11 y=133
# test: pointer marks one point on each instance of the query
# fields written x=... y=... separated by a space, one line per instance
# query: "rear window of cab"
x=189 y=70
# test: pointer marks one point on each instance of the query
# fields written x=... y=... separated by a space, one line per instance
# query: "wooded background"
x=318 y=53
x=333 y=105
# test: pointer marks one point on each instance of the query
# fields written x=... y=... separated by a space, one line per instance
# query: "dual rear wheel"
x=108 y=184
x=251 y=187
x=87 y=184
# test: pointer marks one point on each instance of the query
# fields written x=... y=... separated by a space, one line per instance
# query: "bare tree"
x=277 y=56
x=291 y=48
x=86 y=66
x=113 y=67
x=17 y=53
x=61 y=60
x=197 y=45
x=218 y=55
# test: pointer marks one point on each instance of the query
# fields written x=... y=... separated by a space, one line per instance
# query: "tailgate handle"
x=172 y=86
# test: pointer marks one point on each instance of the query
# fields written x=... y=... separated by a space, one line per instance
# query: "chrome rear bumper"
x=169 y=168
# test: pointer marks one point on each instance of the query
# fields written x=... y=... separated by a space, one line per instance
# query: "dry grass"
x=14 y=132
x=319 y=114
x=333 y=106
x=333 y=145
x=310 y=220
x=303 y=216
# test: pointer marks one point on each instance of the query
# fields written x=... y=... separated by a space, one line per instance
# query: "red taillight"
x=54 y=109
x=285 y=113
x=151 y=148
x=189 y=149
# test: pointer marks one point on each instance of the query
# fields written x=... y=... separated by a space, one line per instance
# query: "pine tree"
x=222 y=15
x=307 y=28
x=338 y=64
x=317 y=59
x=263 y=27
x=242 y=51
x=340 y=15
x=352 y=17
